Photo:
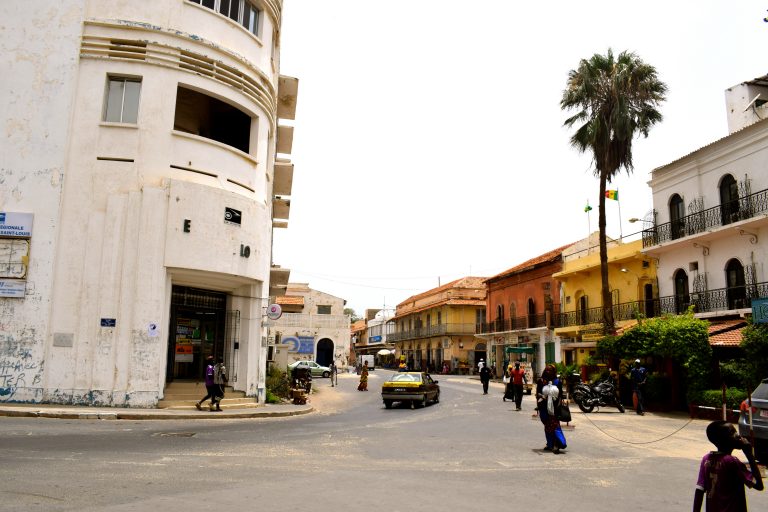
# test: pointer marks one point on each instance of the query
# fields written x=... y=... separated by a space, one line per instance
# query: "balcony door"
x=682 y=292
x=735 y=283
x=729 y=200
x=676 y=216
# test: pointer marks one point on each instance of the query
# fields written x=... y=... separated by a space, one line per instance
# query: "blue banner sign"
x=299 y=344
x=760 y=311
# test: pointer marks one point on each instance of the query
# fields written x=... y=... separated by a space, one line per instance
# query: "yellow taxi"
x=412 y=387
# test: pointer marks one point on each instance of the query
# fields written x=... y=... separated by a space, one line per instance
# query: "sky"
x=429 y=142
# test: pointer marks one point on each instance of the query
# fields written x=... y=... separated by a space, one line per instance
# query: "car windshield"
x=406 y=377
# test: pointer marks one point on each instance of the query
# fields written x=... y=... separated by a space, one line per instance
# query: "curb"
x=148 y=414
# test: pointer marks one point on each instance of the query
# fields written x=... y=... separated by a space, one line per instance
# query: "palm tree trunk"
x=608 y=325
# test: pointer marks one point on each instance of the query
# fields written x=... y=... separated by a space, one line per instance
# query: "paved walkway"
x=72 y=412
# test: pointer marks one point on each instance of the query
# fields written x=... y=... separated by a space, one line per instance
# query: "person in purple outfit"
x=210 y=385
x=722 y=476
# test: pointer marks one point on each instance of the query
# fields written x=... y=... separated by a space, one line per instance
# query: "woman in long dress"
x=363 y=386
x=549 y=395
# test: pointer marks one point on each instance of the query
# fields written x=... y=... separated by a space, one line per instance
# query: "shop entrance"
x=197 y=330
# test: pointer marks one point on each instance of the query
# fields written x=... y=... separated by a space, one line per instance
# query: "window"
x=244 y=12
x=323 y=309
x=735 y=282
x=122 y=103
x=209 y=117
x=682 y=294
x=676 y=216
x=729 y=199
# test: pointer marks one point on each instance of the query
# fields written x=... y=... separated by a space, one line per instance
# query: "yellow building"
x=437 y=328
x=634 y=292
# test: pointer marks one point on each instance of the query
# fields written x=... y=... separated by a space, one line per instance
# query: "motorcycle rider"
x=639 y=375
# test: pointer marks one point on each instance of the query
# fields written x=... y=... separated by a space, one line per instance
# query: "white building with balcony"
x=313 y=326
x=139 y=162
x=710 y=232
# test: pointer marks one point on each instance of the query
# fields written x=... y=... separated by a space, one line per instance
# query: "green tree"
x=353 y=317
x=754 y=342
x=683 y=338
x=614 y=98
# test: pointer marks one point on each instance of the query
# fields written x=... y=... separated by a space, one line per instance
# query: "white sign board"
x=16 y=224
x=12 y=288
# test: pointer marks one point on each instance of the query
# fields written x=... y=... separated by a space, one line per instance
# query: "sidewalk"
x=72 y=412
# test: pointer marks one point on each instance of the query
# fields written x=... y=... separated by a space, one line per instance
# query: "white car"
x=315 y=369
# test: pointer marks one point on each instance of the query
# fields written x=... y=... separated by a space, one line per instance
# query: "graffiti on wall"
x=19 y=368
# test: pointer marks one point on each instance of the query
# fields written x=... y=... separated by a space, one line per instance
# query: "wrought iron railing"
x=520 y=323
x=727 y=213
x=720 y=299
x=433 y=330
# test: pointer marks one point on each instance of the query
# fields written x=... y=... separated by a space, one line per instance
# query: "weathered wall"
x=35 y=117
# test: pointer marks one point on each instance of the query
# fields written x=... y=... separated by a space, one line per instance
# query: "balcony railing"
x=432 y=330
x=721 y=299
x=520 y=323
x=743 y=208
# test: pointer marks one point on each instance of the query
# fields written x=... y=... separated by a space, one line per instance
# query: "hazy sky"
x=429 y=141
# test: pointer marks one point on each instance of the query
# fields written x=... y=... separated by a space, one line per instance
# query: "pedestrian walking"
x=485 y=378
x=639 y=375
x=334 y=374
x=508 y=392
x=518 y=378
x=210 y=386
x=722 y=477
x=363 y=386
x=549 y=396
x=480 y=365
x=220 y=380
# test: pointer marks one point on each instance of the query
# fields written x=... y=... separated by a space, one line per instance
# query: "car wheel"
x=388 y=404
x=326 y=375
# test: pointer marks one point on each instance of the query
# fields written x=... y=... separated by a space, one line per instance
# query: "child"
x=722 y=476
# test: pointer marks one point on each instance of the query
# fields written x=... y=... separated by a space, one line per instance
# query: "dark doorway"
x=729 y=199
x=682 y=293
x=324 y=352
x=650 y=310
x=736 y=291
x=197 y=330
x=676 y=216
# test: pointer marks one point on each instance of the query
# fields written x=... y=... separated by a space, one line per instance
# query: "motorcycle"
x=600 y=395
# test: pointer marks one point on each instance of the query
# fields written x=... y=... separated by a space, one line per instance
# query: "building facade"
x=523 y=307
x=313 y=326
x=141 y=165
x=634 y=293
x=436 y=329
x=710 y=226
x=375 y=338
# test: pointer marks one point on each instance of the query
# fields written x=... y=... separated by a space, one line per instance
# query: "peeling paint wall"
x=110 y=200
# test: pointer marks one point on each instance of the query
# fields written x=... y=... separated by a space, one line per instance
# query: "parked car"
x=759 y=420
x=412 y=387
x=315 y=369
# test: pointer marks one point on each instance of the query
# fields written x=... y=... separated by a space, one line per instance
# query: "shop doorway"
x=324 y=355
x=197 y=330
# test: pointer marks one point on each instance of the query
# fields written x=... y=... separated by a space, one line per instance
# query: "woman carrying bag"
x=549 y=397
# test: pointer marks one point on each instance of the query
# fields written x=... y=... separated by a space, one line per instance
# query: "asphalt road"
x=468 y=452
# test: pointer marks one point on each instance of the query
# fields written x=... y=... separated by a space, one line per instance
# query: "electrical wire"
x=637 y=442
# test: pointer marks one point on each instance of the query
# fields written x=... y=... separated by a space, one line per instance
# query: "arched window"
x=500 y=317
x=735 y=289
x=531 y=313
x=676 y=216
x=729 y=199
x=513 y=316
x=682 y=293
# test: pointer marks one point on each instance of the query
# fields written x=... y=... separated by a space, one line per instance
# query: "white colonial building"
x=313 y=327
x=140 y=187
x=710 y=231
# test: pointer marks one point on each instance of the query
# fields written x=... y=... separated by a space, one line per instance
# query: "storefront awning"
x=519 y=350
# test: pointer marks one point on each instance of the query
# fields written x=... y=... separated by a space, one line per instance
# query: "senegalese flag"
x=587 y=208
x=612 y=194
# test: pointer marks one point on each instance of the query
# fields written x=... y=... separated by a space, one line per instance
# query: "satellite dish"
x=274 y=311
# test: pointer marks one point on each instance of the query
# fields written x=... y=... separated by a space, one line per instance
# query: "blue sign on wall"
x=374 y=339
x=760 y=311
x=300 y=344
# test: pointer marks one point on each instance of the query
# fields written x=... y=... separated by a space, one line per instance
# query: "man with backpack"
x=210 y=385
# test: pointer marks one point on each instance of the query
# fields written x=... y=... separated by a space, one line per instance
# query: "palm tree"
x=615 y=98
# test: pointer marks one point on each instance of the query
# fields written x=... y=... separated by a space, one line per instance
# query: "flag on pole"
x=587 y=208
x=612 y=194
